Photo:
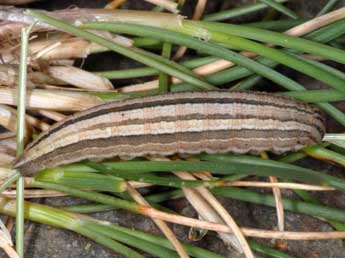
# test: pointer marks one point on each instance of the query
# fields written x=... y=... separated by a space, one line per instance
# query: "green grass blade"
x=270 y=252
x=239 y=11
x=276 y=38
x=281 y=57
x=328 y=33
x=108 y=242
x=163 y=77
x=83 y=180
x=290 y=205
x=21 y=102
x=232 y=164
x=277 y=25
x=148 y=247
x=328 y=7
x=314 y=96
x=281 y=8
x=148 y=71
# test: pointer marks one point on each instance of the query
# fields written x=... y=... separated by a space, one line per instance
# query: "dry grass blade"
x=161 y=224
x=222 y=213
x=166 y=4
x=39 y=78
x=42 y=99
x=145 y=86
x=289 y=235
x=207 y=210
x=30 y=194
x=7 y=152
x=8 y=119
x=250 y=232
x=279 y=185
x=79 y=78
x=209 y=214
x=10 y=30
x=277 y=198
x=49 y=49
x=6 y=241
x=55 y=116
x=317 y=22
x=279 y=204
x=8 y=75
x=139 y=184
x=114 y=4
x=5 y=173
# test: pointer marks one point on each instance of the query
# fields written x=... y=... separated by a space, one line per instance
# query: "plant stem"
x=20 y=137
x=163 y=77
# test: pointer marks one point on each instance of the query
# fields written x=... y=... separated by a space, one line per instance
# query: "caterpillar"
x=183 y=122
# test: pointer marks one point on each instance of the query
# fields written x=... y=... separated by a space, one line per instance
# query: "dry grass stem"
x=279 y=185
x=8 y=75
x=209 y=214
x=80 y=78
x=221 y=212
x=6 y=135
x=10 y=31
x=8 y=119
x=317 y=23
x=40 y=78
x=46 y=50
x=136 y=185
x=6 y=159
x=277 y=197
x=114 y=4
x=206 y=211
x=289 y=235
x=33 y=121
x=29 y=194
x=9 y=224
x=161 y=225
x=250 y=232
x=42 y=99
x=6 y=241
x=150 y=85
x=55 y=116
x=166 y=4
x=279 y=204
x=5 y=173
x=64 y=49
x=9 y=250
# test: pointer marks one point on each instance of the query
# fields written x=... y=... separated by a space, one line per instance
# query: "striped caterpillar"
x=185 y=122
